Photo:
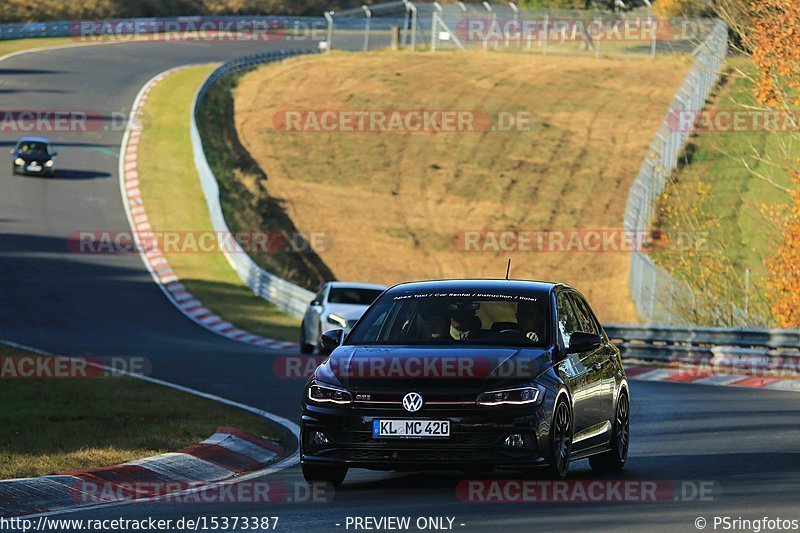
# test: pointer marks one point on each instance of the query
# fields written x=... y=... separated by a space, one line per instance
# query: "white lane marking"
x=272 y=469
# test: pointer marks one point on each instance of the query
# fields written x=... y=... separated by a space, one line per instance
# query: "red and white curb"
x=227 y=454
x=702 y=376
x=153 y=258
x=36 y=498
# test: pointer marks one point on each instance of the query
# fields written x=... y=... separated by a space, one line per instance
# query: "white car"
x=337 y=305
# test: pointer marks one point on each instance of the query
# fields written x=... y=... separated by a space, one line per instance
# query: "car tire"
x=332 y=474
x=615 y=458
x=305 y=348
x=560 y=440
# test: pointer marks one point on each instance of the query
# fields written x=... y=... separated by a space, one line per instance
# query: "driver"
x=464 y=324
x=531 y=320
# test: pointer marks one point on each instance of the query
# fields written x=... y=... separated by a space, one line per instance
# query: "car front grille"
x=417 y=455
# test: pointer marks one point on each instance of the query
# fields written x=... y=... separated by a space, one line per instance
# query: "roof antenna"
x=508 y=268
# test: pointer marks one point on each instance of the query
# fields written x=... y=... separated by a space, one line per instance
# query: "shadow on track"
x=41 y=91
x=71 y=174
x=26 y=71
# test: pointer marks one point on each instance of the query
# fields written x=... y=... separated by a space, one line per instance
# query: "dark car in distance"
x=467 y=374
x=34 y=156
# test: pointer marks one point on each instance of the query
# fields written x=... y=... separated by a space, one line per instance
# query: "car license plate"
x=34 y=167
x=410 y=428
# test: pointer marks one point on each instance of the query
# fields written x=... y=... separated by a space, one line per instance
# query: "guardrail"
x=287 y=296
x=743 y=349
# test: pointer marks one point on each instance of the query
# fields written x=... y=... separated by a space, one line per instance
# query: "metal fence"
x=287 y=296
x=503 y=25
x=659 y=298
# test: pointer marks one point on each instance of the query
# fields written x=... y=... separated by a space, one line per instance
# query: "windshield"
x=434 y=318
x=33 y=148
x=352 y=295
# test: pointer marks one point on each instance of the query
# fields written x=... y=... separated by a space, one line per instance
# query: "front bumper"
x=42 y=171
x=476 y=441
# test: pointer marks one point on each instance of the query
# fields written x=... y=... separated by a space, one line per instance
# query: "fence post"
x=437 y=9
x=368 y=14
x=489 y=9
x=405 y=23
x=514 y=8
x=546 y=32
x=329 y=18
x=410 y=7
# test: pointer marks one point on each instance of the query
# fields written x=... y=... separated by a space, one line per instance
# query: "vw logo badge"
x=412 y=402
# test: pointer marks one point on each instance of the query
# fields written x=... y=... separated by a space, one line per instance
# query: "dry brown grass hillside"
x=393 y=202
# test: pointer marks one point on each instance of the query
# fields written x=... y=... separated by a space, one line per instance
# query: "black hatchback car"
x=467 y=374
x=34 y=156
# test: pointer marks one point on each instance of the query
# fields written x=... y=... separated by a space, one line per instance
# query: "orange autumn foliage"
x=775 y=40
x=784 y=268
x=776 y=51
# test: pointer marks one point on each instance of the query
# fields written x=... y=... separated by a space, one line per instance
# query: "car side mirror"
x=331 y=340
x=11 y=151
x=583 y=342
x=55 y=154
x=316 y=302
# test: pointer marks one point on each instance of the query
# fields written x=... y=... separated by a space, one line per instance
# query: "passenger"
x=436 y=327
x=531 y=320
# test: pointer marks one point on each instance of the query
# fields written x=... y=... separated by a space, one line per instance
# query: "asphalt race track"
x=745 y=442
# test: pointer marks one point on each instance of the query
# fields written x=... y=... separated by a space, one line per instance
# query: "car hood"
x=29 y=158
x=432 y=368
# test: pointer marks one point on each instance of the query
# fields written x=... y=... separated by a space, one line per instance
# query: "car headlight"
x=516 y=396
x=337 y=320
x=19 y=161
x=49 y=163
x=319 y=393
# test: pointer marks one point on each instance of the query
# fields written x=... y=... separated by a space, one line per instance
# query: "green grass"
x=14 y=45
x=51 y=426
x=174 y=201
x=731 y=210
